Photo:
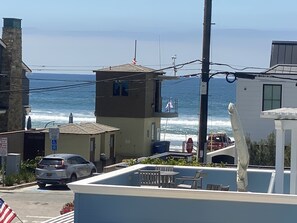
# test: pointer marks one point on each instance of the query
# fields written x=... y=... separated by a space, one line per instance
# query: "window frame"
x=120 y=88
x=272 y=99
x=153 y=131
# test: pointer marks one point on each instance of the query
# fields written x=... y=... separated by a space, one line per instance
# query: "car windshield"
x=49 y=162
x=217 y=138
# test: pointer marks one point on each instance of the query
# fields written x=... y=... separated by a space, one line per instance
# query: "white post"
x=293 y=175
x=279 y=157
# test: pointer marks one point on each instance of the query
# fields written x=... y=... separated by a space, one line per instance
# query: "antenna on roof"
x=173 y=63
x=135 y=47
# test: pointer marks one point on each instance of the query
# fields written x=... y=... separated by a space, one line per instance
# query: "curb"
x=18 y=186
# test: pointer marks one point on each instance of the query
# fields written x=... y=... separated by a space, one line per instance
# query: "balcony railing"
x=167 y=108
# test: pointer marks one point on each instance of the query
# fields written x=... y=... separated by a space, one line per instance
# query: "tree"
x=262 y=153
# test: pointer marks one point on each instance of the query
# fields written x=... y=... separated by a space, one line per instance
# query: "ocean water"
x=186 y=90
x=54 y=96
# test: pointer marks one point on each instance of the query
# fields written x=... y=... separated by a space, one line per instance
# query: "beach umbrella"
x=29 y=123
x=241 y=148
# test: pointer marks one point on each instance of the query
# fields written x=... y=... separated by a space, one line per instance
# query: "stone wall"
x=12 y=67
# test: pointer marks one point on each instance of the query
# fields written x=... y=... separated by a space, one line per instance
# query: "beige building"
x=129 y=97
x=87 y=139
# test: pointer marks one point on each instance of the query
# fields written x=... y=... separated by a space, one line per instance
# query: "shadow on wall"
x=223 y=159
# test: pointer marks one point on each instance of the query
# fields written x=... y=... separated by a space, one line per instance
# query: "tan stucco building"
x=128 y=97
x=87 y=139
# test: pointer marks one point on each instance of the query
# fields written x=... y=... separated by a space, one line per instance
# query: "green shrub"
x=9 y=180
x=27 y=176
x=18 y=179
x=30 y=165
x=262 y=153
x=31 y=178
x=177 y=162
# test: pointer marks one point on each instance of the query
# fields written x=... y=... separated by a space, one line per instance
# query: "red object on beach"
x=189 y=147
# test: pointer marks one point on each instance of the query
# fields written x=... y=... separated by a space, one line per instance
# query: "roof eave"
x=2 y=43
x=26 y=68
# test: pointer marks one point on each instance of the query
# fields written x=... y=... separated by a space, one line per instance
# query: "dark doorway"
x=223 y=159
x=92 y=149
x=33 y=145
x=111 y=147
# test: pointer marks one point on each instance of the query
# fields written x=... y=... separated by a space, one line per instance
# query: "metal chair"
x=149 y=178
x=217 y=187
x=195 y=181
x=164 y=168
x=225 y=187
x=213 y=187
x=166 y=180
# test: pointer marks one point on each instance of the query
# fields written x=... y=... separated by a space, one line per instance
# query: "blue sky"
x=78 y=36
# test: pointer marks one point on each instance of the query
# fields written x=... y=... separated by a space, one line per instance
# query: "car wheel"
x=41 y=185
x=92 y=172
x=73 y=178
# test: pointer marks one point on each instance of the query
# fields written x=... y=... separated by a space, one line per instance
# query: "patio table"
x=168 y=178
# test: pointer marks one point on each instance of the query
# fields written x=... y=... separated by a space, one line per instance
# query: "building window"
x=124 y=89
x=272 y=95
x=120 y=88
x=153 y=131
x=158 y=134
x=116 y=88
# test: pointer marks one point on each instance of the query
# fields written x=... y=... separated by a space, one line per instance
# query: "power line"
x=88 y=83
x=82 y=83
x=237 y=69
x=65 y=68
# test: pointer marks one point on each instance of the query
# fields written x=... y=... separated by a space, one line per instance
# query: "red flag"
x=134 y=61
x=6 y=213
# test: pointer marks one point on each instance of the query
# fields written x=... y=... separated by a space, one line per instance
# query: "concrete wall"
x=129 y=203
x=15 y=142
x=134 y=138
x=77 y=144
x=105 y=144
x=258 y=179
x=228 y=151
x=134 y=209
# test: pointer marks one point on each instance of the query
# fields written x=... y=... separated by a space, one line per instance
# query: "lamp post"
x=71 y=118
x=49 y=123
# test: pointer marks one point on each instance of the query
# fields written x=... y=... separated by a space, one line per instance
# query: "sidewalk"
x=65 y=218
x=17 y=186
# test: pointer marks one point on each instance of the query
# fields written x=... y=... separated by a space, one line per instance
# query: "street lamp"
x=49 y=123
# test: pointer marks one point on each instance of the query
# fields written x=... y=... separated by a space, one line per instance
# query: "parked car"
x=218 y=141
x=62 y=169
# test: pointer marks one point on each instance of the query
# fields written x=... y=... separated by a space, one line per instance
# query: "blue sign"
x=54 y=145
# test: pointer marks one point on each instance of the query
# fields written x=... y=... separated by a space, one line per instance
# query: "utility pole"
x=201 y=153
x=134 y=61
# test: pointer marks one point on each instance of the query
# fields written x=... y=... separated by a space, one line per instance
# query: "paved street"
x=33 y=205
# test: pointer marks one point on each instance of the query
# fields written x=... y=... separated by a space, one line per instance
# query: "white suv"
x=62 y=169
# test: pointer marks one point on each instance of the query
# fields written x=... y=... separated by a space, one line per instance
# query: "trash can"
x=160 y=147
x=103 y=159
x=13 y=163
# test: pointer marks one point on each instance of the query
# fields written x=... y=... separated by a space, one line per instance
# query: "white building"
x=275 y=88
